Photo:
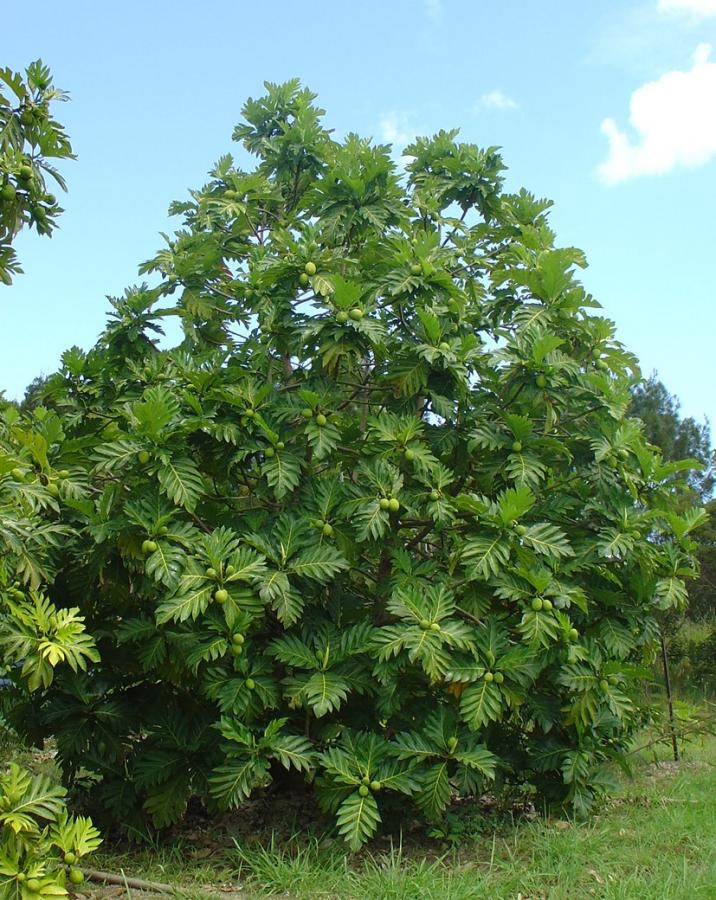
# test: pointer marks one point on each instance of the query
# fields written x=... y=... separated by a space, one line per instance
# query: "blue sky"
x=608 y=108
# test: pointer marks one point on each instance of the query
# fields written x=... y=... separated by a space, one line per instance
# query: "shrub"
x=380 y=518
x=40 y=843
x=37 y=635
x=693 y=652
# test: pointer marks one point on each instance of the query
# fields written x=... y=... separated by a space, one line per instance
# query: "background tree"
x=29 y=139
x=702 y=592
x=34 y=394
x=677 y=437
x=381 y=518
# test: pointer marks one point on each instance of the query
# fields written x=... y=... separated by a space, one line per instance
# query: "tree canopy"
x=381 y=517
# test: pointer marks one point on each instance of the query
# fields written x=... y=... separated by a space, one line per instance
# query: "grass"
x=653 y=839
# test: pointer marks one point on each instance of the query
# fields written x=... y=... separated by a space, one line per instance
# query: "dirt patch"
x=664 y=767
x=669 y=768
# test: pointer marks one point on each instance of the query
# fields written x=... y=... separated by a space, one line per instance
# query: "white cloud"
x=433 y=9
x=675 y=122
x=497 y=99
x=700 y=8
x=395 y=129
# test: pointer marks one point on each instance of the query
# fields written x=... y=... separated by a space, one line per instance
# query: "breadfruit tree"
x=30 y=140
x=379 y=518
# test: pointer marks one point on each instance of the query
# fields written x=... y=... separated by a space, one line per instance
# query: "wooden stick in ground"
x=138 y=884
x=669 y=696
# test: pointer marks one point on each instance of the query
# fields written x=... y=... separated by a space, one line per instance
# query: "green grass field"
x=655 y=840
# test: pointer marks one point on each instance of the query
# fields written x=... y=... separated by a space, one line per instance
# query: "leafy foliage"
x=38 y=836
x=380 y=519
x=36 y=633
x=680 y=437
x=30 y=138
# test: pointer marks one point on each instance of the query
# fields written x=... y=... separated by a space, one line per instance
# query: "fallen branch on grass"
x=139 y=884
